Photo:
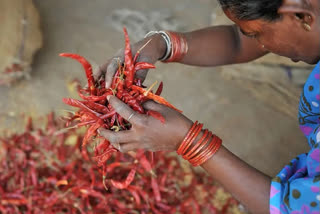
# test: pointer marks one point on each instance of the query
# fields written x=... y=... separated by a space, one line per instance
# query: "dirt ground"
x=262 y=136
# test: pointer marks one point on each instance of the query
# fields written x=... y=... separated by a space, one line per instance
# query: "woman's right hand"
x=153 y=51
x=147 y=132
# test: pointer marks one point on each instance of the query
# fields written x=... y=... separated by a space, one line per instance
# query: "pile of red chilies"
x=43 y=171
x=96 y=112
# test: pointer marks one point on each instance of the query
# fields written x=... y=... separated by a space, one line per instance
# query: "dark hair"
x=253 y=9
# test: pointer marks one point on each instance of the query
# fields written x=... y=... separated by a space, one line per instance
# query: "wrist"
x=181 y=133
x=172 y=47
x=158 y=45
x=199 y=145
x=178 y=47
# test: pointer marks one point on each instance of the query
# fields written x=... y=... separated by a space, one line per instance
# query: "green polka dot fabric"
x=295 y=189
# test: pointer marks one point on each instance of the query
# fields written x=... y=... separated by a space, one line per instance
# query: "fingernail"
x=119 y=148
x=116 y=146
x=108 y=97
x=99 y=131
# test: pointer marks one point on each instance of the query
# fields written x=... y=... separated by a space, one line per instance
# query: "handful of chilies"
x=95 y=111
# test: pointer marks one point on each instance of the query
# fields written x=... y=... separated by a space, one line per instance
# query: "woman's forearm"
x=220 y=45
x=250 y=186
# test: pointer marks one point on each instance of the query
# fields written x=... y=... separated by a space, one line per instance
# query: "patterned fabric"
x=295 y=189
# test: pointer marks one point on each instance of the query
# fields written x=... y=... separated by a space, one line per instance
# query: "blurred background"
x=253 y=106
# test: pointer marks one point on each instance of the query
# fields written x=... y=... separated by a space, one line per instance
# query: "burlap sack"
x=20 y=38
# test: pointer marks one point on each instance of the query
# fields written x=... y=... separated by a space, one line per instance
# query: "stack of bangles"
x=199 y=152
x=177 y=46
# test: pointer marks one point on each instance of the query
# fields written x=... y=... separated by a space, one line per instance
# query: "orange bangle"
x=199 y=145
x=192 y=138
x=203 y=149
x=214 y=147
x=182 y=145
x=207 y=151
x=208 y=156
x=196 y=159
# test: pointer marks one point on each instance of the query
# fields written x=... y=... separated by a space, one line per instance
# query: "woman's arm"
x=246 y=183
x=212 y=46
x=250 y=186
x=220 y=45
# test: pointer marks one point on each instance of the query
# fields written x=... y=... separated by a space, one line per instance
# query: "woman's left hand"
x=147 y=132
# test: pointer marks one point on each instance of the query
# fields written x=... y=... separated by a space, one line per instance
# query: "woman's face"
x=286 y=36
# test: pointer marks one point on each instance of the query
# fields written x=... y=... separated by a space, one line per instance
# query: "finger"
x=97 y=73
x=141 y=74
x=126 y=147
x=152 y=105
x=124 y=110
x=111 y=69
x=117 y=138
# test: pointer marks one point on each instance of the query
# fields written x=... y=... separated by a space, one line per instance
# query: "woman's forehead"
x=245 y=25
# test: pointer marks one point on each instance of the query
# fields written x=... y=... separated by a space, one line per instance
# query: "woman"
x=288 y=28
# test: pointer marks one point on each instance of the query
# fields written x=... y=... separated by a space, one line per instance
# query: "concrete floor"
x=260 y=135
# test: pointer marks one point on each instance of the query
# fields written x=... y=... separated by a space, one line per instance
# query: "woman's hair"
x=253 y=9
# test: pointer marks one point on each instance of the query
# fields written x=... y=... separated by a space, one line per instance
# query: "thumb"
x=124 y=110
x=110 y=136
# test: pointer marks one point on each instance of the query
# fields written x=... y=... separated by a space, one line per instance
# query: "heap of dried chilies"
x=43 y=171
x=95 y=111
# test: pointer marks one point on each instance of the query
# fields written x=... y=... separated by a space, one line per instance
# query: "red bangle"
x=198 y=146
x=207 y=156
x=203 y=149
x=204 y=152
x=192 y=137
x=179 y=47
x=213 y=148
x=182 y=145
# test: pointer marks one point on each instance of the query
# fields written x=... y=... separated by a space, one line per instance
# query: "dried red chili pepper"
x=135 y=194
x=87 y=67
x=90 y=133
x=94 y=98
x=145 y=162
x=124 y=184
x=128 y=59
x=79 y=104
x=154 y=97
x=156 y=115
x=96 y=107
x=143 y=65
x=155 y=188
x=159 y=90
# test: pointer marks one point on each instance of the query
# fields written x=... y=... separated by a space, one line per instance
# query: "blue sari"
x=295 y=189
